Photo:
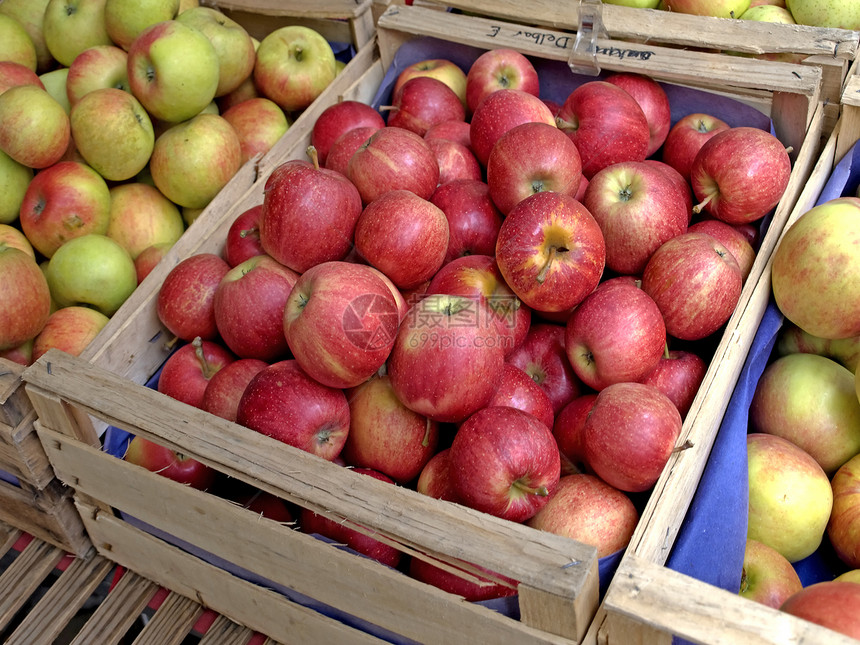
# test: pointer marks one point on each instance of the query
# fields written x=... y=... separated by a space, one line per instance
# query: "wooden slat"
x=14 y=405
x=62 y=601
x=8 y=537
x=24 y=575
x=334 y=9
x=123 y=605
x=223 y=631
x=171 y=622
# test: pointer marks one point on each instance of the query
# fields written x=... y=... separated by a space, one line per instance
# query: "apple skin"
x=695 y=282
x=531 y=158
x=393 y=159
x=455 y=160
x=259 y=122
x=434 y=479
x=843 y=528
x=14 y=180
x=12 y=74
x=17 y=44
x=568 y=432
x=630 y=435
x=441 y=69
x=473 y=219
x=469 y=590
x=551 y=251
x=25 y=299
x=173 y=70
x=498 y=69
x=72 y=27
x=827 y=13
x=504 y=462
x=126 y=19
x=831 y=604
x=653 y=100
x=730 y=237
x=34 y=127
x=638 y=208
x=249 y=308
x=518 y=390
x=678 y=375
x=70 y=329
x=149 y=258
x=457 y=131
x=740 y=174
x=14 y=237
x=422 y=102
x=67 y=200
x=170 y=464
x=225 y=388
x=723 y=9
x=31 y=16
x=686 y=192
x=790 y=497
x=767 y=577
x=22 y=354
x=810 y=294
x=345 y=146
x=404 y=236
x=243 y=237
x=185 y=300
x=342 y=533
x=607 y=125
x=309 y=214
x=339 y=118
x=615 y=334
x=686 y=138
x=811 y=401
x=587 y=509
x=340 y=321
x=97 y=68
x=542 y=356
x=294 y=64
x=792 y=339
x=187 y=372
x=501 y=111
x=140 y=217
x=385 y=435
x=447 y=360
x=284 y=403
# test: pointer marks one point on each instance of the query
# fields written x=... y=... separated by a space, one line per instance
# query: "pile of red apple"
x=495 y=300
x=119 y=122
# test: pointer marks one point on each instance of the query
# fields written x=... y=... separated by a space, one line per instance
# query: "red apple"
x=455 y=160
x=422 y=102
x=385 y=435
x=652 y=98
x=186 y=299
x=695 y=282
x=740 y=174
x=638 y=207
x=446 y=362
x=568 y=430
x=259 y=122
x=456 y=131
x=678 y=375
x=587 y=509
x=283 y=402
x=70 y=329
x=22 y=354
x=531 y=158
x=441 y=69
x=435 y=480
x=606 y=124
x=187 y=371
x=518 y=390
x=616 y=334
x=831 y=604
x=149 y=258
x=542 y=356
x=499 y=69
x=25 y=300
x=730 y=237
x=501 y=111
x=473 y=219
x=339 y=118
x=265 y=504
x=686 y=138
x=551 y=251
x=684 y=188
x=843 y=529
x=340 y=321
x=403 y=235
x=471 y=587
x=309 y=214
x=249 y=308
x=169 y=463
x=630 y=434
x=767 y=577
x=504 y=462
x=243 y=237
x=225 y=388
x=393 y=159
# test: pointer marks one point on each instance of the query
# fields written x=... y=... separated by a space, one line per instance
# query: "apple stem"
x=541 y=491
x=245 y=232
x=541 y=277
x=386 y=108
x=208 y=370
x=698 y=207
x=315 y=157
x=789 y=149
x=665 y=350
x=426 y=440
x=684 y=446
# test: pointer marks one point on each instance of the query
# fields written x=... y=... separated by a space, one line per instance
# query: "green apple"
x=25 y=301
x=15 y=43
x=12 y=236
x=232 y=43
x=843 y=529
x=714 y=8
x=194 y=160
x=22 y=354
x=789 y=496
x=842 y=14
x=260 y=123
x=55 y=84
x=92 y=270
x=125 y=19
x=173 y=70
x=851 y=576
x=140 y=217
x=69 y=329
x=113 y=133
x=767 y=576
x=96 y=68
x=294 y=65
x=31 y=15
x=14 y=179
x=34 y=127
x=71 y=26
x=811 y=401
x=793 y=340
x=12 y=74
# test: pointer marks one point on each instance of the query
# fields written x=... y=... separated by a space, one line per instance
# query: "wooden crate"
x=649 y=602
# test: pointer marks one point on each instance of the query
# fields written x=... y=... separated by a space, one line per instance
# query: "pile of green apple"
x=804 y=434
x=119 y=122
